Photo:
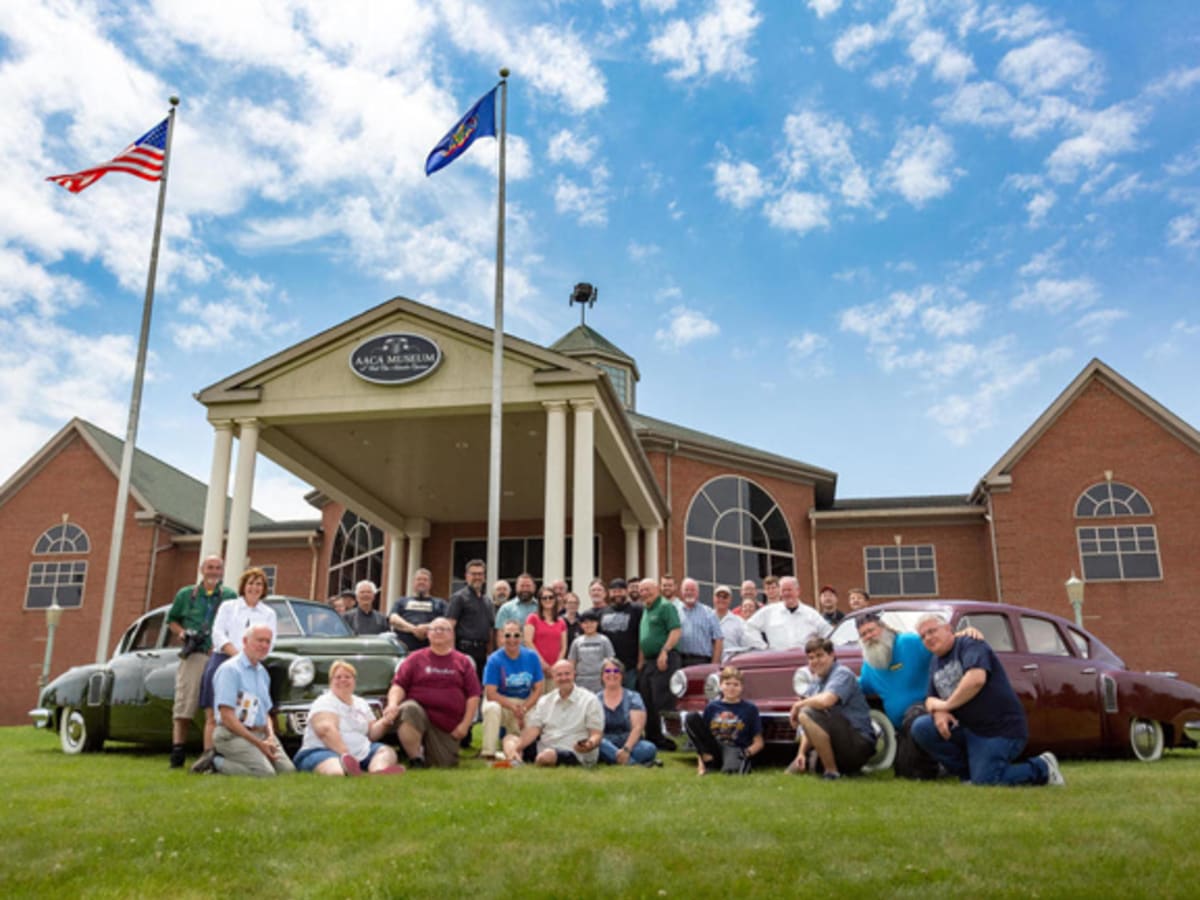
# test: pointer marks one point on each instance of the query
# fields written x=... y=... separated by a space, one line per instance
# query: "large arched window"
x=1116 y=552
x=357 y=554
x=61 y=580
x=735 y=530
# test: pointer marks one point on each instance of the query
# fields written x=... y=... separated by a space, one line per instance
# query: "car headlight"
x=801 y=680
x=678 y=683
x=712 y=685
x=301 y=672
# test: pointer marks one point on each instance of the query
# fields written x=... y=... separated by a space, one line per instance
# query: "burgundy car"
x=1079 y=697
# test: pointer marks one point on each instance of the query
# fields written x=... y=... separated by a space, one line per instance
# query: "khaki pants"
x=496 y=717
x=240 y=757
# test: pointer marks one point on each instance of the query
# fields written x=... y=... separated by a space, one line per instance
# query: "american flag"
x=143 y=158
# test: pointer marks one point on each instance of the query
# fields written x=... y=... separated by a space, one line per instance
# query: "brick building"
x=1106 y=483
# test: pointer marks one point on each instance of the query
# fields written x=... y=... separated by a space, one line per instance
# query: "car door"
x=129 y=714
x=1068 y=716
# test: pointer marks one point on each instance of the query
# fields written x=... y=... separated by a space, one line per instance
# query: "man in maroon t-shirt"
x=435 y=695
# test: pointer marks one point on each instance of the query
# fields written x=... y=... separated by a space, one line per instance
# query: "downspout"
x=153 y=564
x=991 y=517
x=668 y=567
x=316 y=554
x=812 y=546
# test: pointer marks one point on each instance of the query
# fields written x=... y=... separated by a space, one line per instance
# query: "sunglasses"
x=611 y=671
x=513 y=636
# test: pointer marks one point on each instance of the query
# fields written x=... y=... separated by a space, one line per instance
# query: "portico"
x=413 y=456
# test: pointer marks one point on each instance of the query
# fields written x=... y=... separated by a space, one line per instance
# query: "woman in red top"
x=545 y=632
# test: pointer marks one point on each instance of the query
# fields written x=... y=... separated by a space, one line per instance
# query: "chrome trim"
x=42 y=717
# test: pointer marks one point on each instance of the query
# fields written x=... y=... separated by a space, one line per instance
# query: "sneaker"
x=204 y=764
x=418 y=762
x=1054 y=774
x=389 y=770
x=499 y=755
x=177 y=756
x=665 y=743
x=350 y=765
x=831 y=776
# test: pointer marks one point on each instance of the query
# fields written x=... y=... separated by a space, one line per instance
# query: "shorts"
x=187 y=685
x=307 y=760
x=207 y=697
x=441 y=749
x=850 y=749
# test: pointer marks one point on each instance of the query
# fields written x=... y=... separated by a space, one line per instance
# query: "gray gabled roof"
x=924 y=501
x=168 y=491
x=583 y=341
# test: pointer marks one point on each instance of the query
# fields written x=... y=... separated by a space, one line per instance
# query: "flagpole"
x=135 y=405
x=493 y=524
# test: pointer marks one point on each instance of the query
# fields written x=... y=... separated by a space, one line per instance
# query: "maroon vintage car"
x=1078 y=695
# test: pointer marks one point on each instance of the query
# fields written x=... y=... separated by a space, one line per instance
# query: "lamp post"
x=53 y=617
x=1075 y=594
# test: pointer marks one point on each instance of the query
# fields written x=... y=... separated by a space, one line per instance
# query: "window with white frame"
x=58 y=581
x=356 y=555
x=1126 y=552
x=517 y=555
x=907 y=570
x=271 y=571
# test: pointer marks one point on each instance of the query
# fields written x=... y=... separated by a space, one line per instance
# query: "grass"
x=119 y=824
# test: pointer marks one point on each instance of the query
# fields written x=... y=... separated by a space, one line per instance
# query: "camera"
x=192 y=641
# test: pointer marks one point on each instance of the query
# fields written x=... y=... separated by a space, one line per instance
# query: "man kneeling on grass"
x=567 y=724
x=728 y=732
x=244 y=739
x=832 y=719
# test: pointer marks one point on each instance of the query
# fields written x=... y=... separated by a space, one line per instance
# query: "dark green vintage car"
x=129 y=698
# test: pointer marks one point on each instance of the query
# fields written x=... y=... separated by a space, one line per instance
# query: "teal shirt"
x=658 y=621
x=194 y=608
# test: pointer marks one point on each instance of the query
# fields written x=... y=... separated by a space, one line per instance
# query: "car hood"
x=338 y=647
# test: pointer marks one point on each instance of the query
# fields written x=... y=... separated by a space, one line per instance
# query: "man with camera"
x=190 y=619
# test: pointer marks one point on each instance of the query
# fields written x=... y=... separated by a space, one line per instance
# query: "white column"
x=237 y=550
x=632 y=533
x=650 y=570
x=416 y=530
x=218 y=487
x=554 y=529
x=583 y=564
x=394 y=586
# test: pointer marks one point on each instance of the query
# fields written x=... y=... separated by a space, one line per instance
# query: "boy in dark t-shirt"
x=728 y=732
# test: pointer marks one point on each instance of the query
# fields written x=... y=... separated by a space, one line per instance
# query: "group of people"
x=554 y=686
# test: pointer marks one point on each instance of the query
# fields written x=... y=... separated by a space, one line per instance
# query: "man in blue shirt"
x=832 y=718
x=975 y=725
x=512 y=686
x=245 y=739
x=701 y=640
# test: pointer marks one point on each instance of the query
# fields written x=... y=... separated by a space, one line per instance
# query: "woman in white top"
x=233 y=619
x=342 y=735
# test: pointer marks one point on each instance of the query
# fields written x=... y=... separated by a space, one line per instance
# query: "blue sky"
x=877 y=237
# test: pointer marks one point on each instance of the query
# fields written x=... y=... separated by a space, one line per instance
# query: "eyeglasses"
x=440 y=628
x=511 y=636
x=611 y=671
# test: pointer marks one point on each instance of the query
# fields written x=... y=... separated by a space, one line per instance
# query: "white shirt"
x=235 y=616
x=354 y=719
x=566 y=721
x=780 y=628
x=734 y=629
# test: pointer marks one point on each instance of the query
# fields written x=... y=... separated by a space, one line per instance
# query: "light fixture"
x=1074 y=588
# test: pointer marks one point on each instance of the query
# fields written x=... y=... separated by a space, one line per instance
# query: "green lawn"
x=120 y=824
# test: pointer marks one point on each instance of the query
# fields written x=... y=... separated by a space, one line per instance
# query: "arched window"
x=1116 y=552
x=1111 y=498
x=59 y=581
x=735 y=530
x=357 y=554
x=65 y=537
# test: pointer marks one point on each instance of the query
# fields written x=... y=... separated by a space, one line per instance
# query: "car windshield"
x=899 y=620
x=307 y=620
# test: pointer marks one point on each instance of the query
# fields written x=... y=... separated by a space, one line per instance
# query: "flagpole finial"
x=504 y=73
x=174 y=100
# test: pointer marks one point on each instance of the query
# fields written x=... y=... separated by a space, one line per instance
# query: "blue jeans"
x=984 y=760
x=642 y=753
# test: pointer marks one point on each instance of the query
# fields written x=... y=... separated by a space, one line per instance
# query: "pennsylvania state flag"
x=480 y=121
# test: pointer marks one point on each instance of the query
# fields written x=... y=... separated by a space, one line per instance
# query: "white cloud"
x=919 y=167
x=738 y=183
x=889 y=322
x=798 y=211
x=1184 y=232
x=640 y=252
x=280 y=495
x=1102 y=134
x=807 y=356
x=1058 y=294
x=1174 y=82
x=824 y=8
x=1181 y=333
x=806 y=344
x=1039 y=206
x=587 y=204
x=658 y=6
x=1183 y=163
x=1095 y=325
x=1051 y=63
x=1045 y=262
x=1017 y=24
x=855 y=43
x=566 y=145
x=245 y=315
x=685 y=326
x=822 y=141
x=715 y=43
x=953 y=321
x=930 y=48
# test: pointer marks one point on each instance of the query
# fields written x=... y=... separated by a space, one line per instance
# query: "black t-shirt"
x=474 y=613
x=620 y=625
x=996 y=710
x=417 y=611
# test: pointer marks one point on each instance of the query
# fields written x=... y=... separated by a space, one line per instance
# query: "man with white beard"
x=896 y=669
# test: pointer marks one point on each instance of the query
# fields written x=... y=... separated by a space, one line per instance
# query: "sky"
x=877 y=237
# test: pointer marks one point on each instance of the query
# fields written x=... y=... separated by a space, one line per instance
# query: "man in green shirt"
x=190 y=619
x=657 y=659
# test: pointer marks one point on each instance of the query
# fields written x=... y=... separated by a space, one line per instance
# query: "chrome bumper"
x=42 y=718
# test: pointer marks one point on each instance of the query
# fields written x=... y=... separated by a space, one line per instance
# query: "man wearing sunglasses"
x=512 y=686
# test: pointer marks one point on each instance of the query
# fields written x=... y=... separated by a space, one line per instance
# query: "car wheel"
x=885 y=743
x=75 y=735
x=1146 y=739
